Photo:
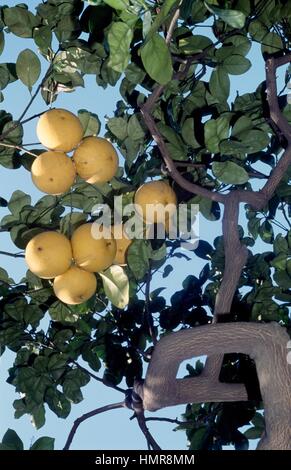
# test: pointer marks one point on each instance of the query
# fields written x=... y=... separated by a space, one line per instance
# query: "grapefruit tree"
x=177 y=125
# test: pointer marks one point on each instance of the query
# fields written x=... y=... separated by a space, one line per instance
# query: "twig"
x=13 y=255
x=20 y=120
x=148 y=315
x=30 y=118
x=167 y=420
x=98 y=379
x=90 y=414
x=152 y=444
x=35 y=94
x=17 y=147
x=172 y=25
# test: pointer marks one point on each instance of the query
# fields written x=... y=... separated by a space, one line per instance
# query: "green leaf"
x=117 y=4
x=28 y=67
x=280 y=245
x=43 y=443
x=7 y=74
x=62 y=313
x=219 y=84
x=176 y=147
x=230 y=172
x=17 y=201
x=38 y=416
x=116 y=286
x=280 y=261
x=146 y=24
x=74 y=380
x=198 y=438
x=244 y=123
x=90 y=122
x=233 y=18
x=188 y=133
x=204 y=250
x=156 y=58
x=3 y=202
x=134 y=128
x=254 y=139
x=43 y=37
x=283 y=279
x=266 y=232
x=5 y=277
x=119 y=38
x=20 y=21
x=241 y=43
x=215 y=130
x=57 y=402
x=253 y=433
x=258 y=421
x=194 y=44
x=138 y=258
x=12 y=440
x=118 y=127
x=14 y=132
x=271 y=43
x=2 y=42
x=236 y=64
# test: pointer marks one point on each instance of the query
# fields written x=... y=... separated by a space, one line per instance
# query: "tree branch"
x=17 y=147
x=170 y=165
x=167 y=420
x=152 y=444
x=13 y=255
x=265 y=343
x=148 y=315
x=90 y=414
x=98 y=379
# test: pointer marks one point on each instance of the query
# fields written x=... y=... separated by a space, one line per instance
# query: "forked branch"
x=266 y=344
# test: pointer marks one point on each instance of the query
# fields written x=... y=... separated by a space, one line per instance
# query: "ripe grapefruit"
x=91 y=253
x=59 y=129
x=96 y=160
x=53 y=172
x=48 y=254
x=75 y=286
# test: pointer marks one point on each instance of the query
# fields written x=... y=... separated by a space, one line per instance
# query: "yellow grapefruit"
x=75 y=286
x=96 y=160
x=48 y=254
x=53 y=172
x=91 y=253
x=59 y=129
x=152 y=196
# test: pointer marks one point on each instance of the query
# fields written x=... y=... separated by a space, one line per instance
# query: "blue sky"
x=112 y=430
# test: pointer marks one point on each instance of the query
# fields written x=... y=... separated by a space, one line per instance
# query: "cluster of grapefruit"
x=94 y=159
x=73 y=263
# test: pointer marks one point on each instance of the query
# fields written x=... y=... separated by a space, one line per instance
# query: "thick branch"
x=88 y=415
x=235 y=256
x=265 y=343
